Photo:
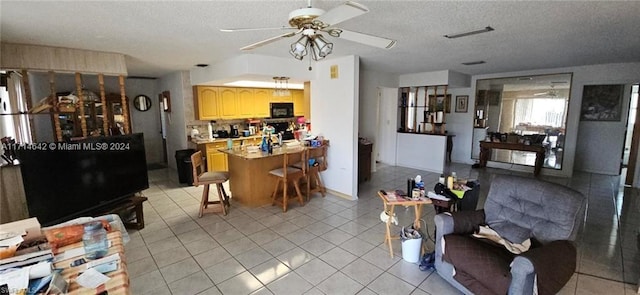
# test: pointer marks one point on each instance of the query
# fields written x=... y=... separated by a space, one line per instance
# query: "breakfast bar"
x=249 y=179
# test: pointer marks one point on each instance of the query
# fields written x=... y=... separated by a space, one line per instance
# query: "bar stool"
x=207 y=178
x=289 y=174
x=316 y=161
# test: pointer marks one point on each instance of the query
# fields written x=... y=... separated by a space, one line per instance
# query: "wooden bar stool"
x=207 y=178
x=289 y=174
x=316 y=161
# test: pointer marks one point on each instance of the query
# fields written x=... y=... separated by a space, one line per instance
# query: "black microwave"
x=282 y=110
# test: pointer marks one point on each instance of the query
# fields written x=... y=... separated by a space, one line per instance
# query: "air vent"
x=479 y=62
x=464 y=34
x=202 y=65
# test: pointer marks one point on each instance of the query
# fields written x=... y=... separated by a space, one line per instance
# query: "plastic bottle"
x=229 y=143
x=441 y=179
x=95 y=240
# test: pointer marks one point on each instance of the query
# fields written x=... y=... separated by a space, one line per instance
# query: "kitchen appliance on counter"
x=234 y=131
x=222 y=134
x=283 y=128
x=282 y=110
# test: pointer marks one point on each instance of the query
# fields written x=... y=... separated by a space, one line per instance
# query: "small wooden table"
x=389 y=206
x=487 y=146
x=119 y=279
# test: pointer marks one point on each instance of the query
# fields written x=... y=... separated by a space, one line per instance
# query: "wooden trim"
x=125 y=106
x=54 y=102
x=633 y=152
x=83 y=120
x=103 y=99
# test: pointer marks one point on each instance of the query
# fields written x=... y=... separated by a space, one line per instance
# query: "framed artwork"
x=462 y=103
x=440 y=102
x=601 y=102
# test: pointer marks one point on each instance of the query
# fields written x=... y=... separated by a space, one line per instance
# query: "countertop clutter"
x=52 y=260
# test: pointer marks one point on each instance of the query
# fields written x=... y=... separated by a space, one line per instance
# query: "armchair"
x=517 y=208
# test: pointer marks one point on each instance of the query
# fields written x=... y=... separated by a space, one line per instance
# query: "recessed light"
x=470 y=63
x=464 y=34
x=202 y=65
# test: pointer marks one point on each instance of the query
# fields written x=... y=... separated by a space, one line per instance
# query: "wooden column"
x=415 y=111
x=29 y=99
x=125 y=106
x=103 y=98
x=83 y=119
x=54 y=102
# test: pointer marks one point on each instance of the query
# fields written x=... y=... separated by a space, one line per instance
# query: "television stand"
x=125 y=210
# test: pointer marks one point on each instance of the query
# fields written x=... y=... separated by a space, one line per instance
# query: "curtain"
x=20 y=129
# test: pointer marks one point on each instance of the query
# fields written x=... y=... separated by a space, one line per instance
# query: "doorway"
x=387 y=125
x=632 y=139
x=163 y=129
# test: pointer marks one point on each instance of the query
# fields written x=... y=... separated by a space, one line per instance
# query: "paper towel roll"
x=40 y=270
x=439 y=116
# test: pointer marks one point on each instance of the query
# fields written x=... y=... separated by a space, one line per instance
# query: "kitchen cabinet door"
x=246 y=102
x=262 y=98
x=207 y=103
x=228 y=103
x=217 y=161
x=298 y=102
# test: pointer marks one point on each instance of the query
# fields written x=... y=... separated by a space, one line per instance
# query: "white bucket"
x=411 y=250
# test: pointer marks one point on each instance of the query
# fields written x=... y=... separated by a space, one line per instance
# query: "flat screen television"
x=65 y=180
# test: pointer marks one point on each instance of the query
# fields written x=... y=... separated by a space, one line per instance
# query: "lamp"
x=280 y=89
x=311 y=42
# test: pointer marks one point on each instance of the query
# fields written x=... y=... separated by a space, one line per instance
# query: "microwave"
x=282 y=110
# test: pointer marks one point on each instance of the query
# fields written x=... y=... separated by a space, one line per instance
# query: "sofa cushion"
x=534 y=209
x=481 y=266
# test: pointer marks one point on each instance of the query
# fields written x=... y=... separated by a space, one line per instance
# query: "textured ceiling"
x=161 y=37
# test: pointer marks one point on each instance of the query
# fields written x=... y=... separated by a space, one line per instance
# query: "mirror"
x=517 y=107
x=142 y=103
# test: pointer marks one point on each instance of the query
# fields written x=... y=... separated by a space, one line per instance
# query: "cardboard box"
x=30 y=229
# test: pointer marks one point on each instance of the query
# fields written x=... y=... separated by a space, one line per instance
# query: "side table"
x=389 y=206
x=119 y=279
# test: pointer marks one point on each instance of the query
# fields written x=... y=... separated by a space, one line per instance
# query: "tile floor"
x=334 y=246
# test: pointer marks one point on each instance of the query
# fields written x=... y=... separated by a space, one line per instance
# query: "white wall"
x=460 y=125
x=146 y=122
x=334 y=109
x=179 y=86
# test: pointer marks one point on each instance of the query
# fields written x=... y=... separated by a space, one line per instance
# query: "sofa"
x=522 y=211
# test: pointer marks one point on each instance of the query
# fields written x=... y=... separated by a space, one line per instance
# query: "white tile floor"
x=334 y=246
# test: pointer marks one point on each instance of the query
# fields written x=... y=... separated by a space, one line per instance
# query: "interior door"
x=387 y=123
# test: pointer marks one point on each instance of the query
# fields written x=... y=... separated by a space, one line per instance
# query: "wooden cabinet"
x=364 y=160
x=213 y=103
x=298 y=102
x=246 y=102
x=206 y=102
x=216 y=160
x=228 y=103
x=262 y=99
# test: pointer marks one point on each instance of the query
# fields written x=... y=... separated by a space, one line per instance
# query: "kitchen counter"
x=249 y=179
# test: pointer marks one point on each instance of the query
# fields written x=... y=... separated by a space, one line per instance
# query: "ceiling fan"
x=310 y=22
x=551 y=92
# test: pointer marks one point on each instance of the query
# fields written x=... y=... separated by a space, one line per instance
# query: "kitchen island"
x=249 y=179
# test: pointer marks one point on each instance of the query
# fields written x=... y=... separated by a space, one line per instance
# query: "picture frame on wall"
x=462 y=103
x=440 y=102
x=602 y=102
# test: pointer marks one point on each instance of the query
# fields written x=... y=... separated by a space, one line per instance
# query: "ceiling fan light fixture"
x=299 y=48
x=324 y=48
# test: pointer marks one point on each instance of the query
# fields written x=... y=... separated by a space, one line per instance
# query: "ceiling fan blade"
x=346 y=11
x=256 y=29
x=270 y=40
x=370 y=40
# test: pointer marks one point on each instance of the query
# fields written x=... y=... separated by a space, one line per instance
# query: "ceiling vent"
x=479 y=62
x=464 y=34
